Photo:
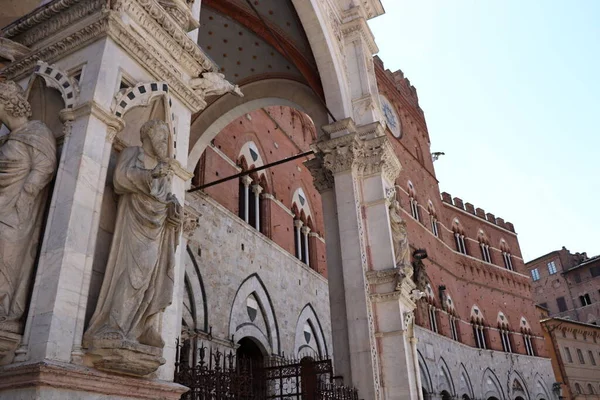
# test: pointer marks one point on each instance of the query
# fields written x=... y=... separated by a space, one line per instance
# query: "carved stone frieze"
x=383 y=276
x=377 y=156
x=12 y=51
x=322 y=177
x=59 y=80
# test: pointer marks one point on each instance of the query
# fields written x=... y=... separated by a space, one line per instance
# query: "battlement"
x=478 y=212
x=402 y=83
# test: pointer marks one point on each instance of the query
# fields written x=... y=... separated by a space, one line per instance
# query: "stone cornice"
x=36 y=17
x=381 y=277
x=355 y=25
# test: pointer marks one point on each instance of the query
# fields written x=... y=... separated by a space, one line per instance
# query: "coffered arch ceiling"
x=246 y=50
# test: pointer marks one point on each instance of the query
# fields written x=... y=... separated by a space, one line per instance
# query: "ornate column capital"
x=322 y=177
x=257 y=189
x=305 y=230
x=365 y=150
x=298 y=223
x=246 y=180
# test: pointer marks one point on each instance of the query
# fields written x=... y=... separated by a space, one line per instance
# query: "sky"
x=511 y=94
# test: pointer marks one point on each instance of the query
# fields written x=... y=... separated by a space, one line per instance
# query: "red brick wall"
x=468 y=279
x=278 y=132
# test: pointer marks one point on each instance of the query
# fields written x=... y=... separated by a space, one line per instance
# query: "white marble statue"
x=138 y=282
x=215 y=84
x=27 y=164
x=400 y=240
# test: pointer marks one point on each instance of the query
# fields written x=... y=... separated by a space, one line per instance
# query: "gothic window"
x=568 y=354
x=479 y=332
x=302 y=226
x=433 y=318
x=244 y=198
x=590 y=389
x=528 y=345
x=578 y=389
x=460 y=243
x=551 y=267
x=508 y=263
x=505 y=336
x=434 y=226
x=453 y=328
x=592 y=359
x=414 y=209
x=485 y=252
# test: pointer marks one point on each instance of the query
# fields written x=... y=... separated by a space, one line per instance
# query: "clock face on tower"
x=391 y=117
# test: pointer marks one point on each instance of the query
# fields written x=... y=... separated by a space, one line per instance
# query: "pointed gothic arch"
x=490 y=385
x=309 y=317
x=465 y=387
x=518 y=387
x=445 y=383
x=239 y=328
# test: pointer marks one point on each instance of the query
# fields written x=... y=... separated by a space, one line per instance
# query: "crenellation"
x=470 y=208
x=458 y=202
x=446 y=197
x=480 y=212
x=491 y=218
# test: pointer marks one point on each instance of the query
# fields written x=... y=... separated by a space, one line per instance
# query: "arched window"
x=591 y=389
x=578 y=389
x=459 y=237
x=506 y=256
x=414 y=204
x=431 y=308
x=453 y=318
x=433 y=219
x=526 y=331
x=484 y=245
x=302 y=226
x=251 y=186
x=477 y=322
x=504 y=332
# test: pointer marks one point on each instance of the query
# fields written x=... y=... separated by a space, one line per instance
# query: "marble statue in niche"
x=400 y=240
x=27 y=165
x=124 y=332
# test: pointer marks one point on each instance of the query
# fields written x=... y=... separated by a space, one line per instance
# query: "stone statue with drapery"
x=138 y=282
x=27 y=164
x=400 y=241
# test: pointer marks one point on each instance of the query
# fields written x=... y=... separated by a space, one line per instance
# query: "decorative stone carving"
x=400 y=241
x=322 y=177
x=59 y=80
x=124 y=334
x=27 y=164
x=12 y=51
x=191 y=221
x=214 y=84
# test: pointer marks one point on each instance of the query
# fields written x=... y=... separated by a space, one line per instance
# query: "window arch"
x=251 y=187
x=453 y=318
x=591 y=389
x=459 y=237
x=414 y=204
x=526 y=332
x=431 y=308
x=578 y=389
x=303 y=225
x=484 y=245
x=505 y=335
x=433 y=219
x=477 y=321
x=506 y=255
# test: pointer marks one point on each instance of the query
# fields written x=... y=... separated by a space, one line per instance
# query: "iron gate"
x=213 y=375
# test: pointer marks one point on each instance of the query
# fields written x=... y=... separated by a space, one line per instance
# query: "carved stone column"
x=364 y=167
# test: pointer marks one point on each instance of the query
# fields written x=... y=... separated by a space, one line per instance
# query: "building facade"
x=575 y=351
x=319 y=257
x=567 y=285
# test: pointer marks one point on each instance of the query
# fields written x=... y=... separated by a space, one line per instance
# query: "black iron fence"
x=214 y=375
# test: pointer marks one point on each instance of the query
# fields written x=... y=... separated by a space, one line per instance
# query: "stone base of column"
x=125 y=357
x=8 y=344
x=52 y=380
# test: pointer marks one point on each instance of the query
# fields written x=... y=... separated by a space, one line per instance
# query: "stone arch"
x=445 y=382
x=195 y=294
x=426 y=383
x=141 y=103
x=490 y=385
x=308 y=317
x=240 y=327
x=57 y=79
x=267 y=92
x=465 y=388
x=330 y=62
x=518 y=387
x=540 y=388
